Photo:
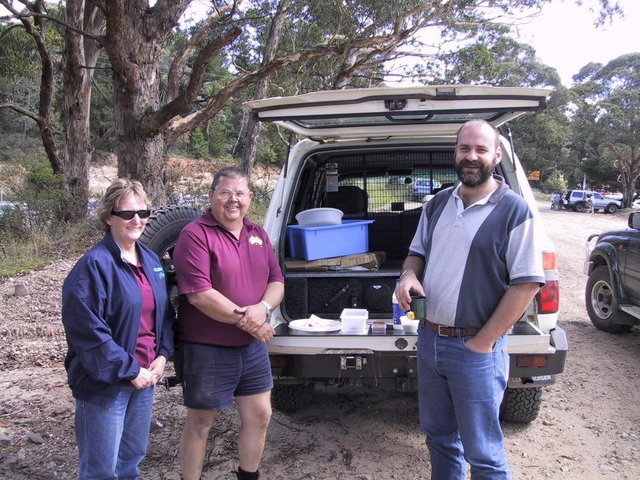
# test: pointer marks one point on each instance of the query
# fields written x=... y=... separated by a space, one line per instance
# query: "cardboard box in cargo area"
x=369 y=261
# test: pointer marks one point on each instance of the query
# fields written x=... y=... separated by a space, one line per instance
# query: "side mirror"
x=634 y=220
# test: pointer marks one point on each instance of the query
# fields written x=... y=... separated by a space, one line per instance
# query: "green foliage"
x=540 y=139
x=12 y=223
x=30 y=235
x=20 y=58
x=555 y=183
x=217 y=132
x=101 y=114
x=20 y=70
x=259 y=205
x=271 y=149
x=19 y=254
x=489 y=57
x=197 y=143
x=498 y=60
x=30 y=182
x=606 y=124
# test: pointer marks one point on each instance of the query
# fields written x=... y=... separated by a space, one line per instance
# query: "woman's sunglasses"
x=129 y=214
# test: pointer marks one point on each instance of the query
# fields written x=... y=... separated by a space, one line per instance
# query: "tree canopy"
x=606 y=127
x=168 y=78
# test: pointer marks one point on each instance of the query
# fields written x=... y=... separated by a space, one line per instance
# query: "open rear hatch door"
x=396 y=112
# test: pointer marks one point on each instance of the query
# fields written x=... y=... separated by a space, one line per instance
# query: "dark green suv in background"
x=612 y=294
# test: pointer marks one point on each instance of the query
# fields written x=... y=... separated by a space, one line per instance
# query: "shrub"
x=197 y=144
x=555 y=183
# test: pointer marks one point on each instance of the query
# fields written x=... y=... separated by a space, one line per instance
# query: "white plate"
x=315 y=325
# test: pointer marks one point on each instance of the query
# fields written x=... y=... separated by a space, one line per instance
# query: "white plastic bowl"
x=409 y=325
x=319 y=217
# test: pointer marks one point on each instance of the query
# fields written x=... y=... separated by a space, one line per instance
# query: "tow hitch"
x=352 y=362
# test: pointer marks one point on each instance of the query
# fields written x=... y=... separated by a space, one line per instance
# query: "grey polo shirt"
x=473 y=255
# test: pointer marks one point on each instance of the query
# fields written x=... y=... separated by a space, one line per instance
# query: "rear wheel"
x=579 y=207
x=602 y=304
x=291 y=394
x=521 y=405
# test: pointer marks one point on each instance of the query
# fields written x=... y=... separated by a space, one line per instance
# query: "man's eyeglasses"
x=225 y=194
x=129 y=214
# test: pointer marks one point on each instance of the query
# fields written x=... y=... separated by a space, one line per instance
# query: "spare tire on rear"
x=161 y=234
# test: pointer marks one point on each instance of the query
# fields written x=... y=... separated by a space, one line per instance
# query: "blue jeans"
x=460 y=392
x=113 y=441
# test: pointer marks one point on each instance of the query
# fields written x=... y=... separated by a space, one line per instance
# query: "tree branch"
x=20 y=16
x=165 y=15
x=183 y=125
x=179 y=61
x=43 y=118
x=22 y=110
x=182 y=102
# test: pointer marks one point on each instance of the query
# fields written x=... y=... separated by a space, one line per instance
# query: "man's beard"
x=478 y=177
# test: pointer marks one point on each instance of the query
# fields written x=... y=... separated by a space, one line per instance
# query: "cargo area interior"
x=381 y=194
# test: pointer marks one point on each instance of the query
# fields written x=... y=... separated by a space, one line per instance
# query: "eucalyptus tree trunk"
x=140 y=153
x=134 y=40
x=80 y=57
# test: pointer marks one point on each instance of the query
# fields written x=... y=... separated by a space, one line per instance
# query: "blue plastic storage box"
x=314 y=243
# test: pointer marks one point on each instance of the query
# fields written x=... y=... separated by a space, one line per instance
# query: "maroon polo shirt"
x=208 y=256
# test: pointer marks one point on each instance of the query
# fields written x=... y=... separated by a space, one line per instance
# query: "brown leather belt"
x=444 y=331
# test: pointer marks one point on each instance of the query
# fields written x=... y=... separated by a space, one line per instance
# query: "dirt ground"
x=588 y=427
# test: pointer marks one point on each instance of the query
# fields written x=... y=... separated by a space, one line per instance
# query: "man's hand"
x=408 y=283
x=476 y=344
x=255 y=322
x=265 y=333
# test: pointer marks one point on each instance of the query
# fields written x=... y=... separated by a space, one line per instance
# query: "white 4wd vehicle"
x=360 y=143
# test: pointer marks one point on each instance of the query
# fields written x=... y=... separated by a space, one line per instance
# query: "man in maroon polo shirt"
x=229 y=281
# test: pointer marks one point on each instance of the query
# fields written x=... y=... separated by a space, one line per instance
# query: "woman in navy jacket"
x=118 y=323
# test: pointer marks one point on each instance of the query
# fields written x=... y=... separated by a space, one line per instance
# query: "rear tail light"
x=549 y=297
x=549 y=294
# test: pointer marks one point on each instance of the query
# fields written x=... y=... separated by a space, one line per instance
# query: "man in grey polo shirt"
x=476 y=257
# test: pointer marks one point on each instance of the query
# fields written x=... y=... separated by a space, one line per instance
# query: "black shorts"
x=212 y=375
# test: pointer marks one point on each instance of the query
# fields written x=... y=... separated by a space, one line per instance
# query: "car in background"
x=575 y=200
x=423 y=186
x=612 y=293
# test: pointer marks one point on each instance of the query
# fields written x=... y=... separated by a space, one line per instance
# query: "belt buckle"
x=440 y=330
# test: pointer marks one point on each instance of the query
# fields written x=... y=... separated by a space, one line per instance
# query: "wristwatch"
x=268 y=307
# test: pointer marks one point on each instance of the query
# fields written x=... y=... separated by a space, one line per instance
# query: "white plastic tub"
x=319 y=217
x=354 y=320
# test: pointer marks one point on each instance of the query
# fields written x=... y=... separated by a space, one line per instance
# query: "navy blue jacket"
x=101 y=310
